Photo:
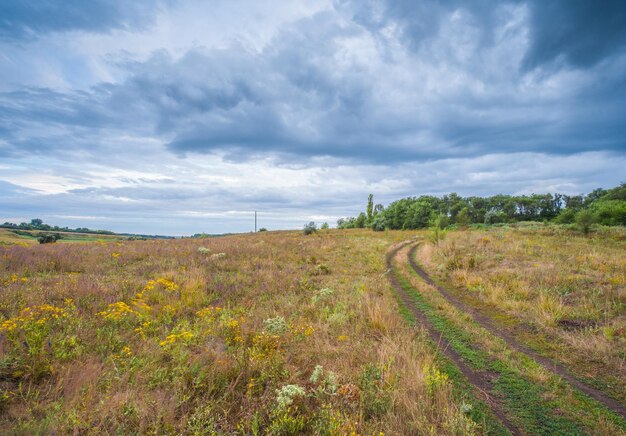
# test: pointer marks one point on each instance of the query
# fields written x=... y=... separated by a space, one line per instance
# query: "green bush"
x=585 y=220
x=310 y=228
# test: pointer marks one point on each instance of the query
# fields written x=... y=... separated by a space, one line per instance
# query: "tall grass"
x=278 y=334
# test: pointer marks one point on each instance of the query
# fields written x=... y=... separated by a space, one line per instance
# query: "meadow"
x=29 y=237
x=284 y=333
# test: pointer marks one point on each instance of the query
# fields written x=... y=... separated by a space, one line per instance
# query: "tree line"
x=38 y=224
x=602 y=206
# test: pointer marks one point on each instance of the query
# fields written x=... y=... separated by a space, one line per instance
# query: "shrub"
x=378 y=223
x=286 y=395
x=585 y=220
x=275 y=326
x=310 y=228
x=322 y=295
x=48 y=238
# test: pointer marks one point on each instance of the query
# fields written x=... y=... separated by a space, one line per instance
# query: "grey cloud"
x=581 y=32
x=301 y=98
x=26 y=19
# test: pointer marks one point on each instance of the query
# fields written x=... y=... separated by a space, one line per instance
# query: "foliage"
x=608 y=207
x=48 y=238
x=310 y=228
x=584 y=220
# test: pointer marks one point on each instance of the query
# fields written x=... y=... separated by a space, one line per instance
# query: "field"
x=496 y=331
x=29 y=237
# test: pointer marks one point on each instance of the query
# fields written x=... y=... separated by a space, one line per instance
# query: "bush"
x=275 y=326
x=262 y=229
x=310 y=228
x=325 y=226
x=567 y=216
x=378 y=223
x=610 y=212
x=585 y=220
x=48 y=238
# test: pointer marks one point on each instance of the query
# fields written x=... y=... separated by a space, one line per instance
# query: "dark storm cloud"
x=306 y=95
x=581 y=32
x=27 y=19
x=578 y=32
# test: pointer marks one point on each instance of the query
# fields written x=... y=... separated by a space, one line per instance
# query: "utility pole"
x=255 y=221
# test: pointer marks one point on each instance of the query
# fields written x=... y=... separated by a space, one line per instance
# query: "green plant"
x=275 y=326
x=310 y=228
x=585 y=219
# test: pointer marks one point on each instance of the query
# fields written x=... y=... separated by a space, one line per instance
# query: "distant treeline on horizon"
x=602 y=206
x=37 y=224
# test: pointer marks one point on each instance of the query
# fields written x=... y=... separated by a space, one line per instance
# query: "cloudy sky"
x=176 y=117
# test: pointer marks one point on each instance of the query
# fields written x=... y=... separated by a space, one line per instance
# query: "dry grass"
x=570 y=290
x=157 y=336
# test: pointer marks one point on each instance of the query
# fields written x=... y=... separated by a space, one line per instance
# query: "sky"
x=176 y=117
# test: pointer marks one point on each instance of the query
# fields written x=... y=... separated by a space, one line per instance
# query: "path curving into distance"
x=507 y=336
x=480 y=381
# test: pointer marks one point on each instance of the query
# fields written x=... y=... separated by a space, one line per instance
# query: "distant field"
x=338 y=332
x=9 y=237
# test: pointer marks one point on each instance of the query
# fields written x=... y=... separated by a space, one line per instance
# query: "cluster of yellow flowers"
x=168 y=284
x=264 y=345
x=434 y=378
x=232 y=327
x=142 y=329
x=117 y=311
x=303 y=330
x=176 y=337
x=209 y=312
x=138 y=304
x=36 y=314
x=13 y=278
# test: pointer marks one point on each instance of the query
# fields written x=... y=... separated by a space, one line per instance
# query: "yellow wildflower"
x=117 y=311
x=180 y=337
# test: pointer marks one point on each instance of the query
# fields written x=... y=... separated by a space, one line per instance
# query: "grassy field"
x=561 y=292
x=281 y=333
x=29 y=237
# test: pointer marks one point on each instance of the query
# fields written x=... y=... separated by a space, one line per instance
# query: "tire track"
x=486 y=322
x=480 y=381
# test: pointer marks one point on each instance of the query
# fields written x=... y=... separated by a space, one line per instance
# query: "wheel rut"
x=485 y=322
x=481 y=381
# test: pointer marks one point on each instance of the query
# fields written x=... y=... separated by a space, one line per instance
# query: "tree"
x=325 y=226
x=310 y=228
x=437 y=228
x=370 y=208
x=378 y=223
x=585 y=220
x=360 y=221
x=36 y=222
x=48 y=238
x=463 y=217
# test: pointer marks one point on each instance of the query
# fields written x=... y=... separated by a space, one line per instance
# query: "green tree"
x=438 y=225
x=378 y=223
x=463 y=218
x=360 y=221
x=310 y=228
x=370 y=208
x=585 y=220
